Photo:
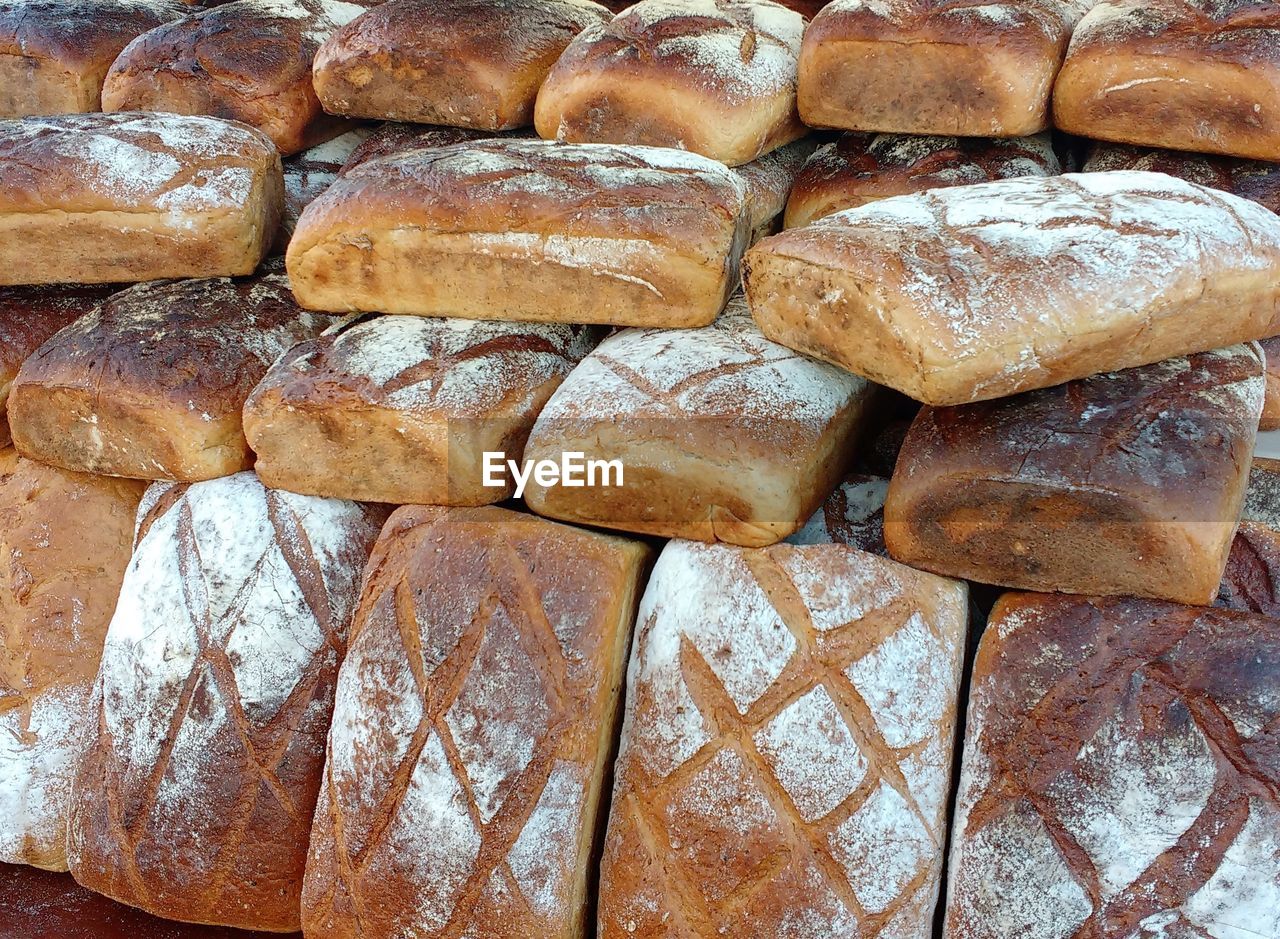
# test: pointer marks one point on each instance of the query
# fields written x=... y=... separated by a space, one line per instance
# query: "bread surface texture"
x=1256 y=180
x=309 y=173
x=852 y=515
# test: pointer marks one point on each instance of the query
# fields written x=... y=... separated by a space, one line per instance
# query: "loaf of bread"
x=527 y=230
x=54 y=54
x=391 y=138
x=247 y=61
x=786 y=749
x=853 y=515
x=861 y=168
x=1124 y=483
x=1119 y=774
x=972 y=68
x=473 y=730
x=1185 y=74
x=1251 y=582
x=977 y=292
x=403 y=409
x=64 y=544
x=714 y=434
x=717 y=77
x=469 y=63
x=1256 y=180
x=29 y=316
x=769 y=180
x=195 y=794
x=309 y=173
x=150 y=385
x=101 y=198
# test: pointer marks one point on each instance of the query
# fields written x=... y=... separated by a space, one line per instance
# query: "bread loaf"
x=861 y=168
x=717 y=77
x=977 y=292
x=100 y=198
x=853 y=515
x=527 y=230
x=1185 y=74
x=473 y=729
x=29 y=316
x=1253 y=179
x=309 y=173
x=1124 y=483
x=1251 y=582
x=150 y=385
x=1119 y=774
x=972 y=68
x=720 y=435
x=470 y=63
x=64 y=544
x=402 y=409
x=769 y=180
x=54 y=54
x=786 y=749
x=195 y=795
x=248 y=61
x=391 y=138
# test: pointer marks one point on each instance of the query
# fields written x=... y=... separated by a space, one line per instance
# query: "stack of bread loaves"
x=583 y=502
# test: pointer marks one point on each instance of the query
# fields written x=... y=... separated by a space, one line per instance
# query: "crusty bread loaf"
x=29 y=316
x=195 y=795
x=786 y=750
x=527 y=230
x=1251 y=582
x=1270 y=419
x=150 y=385
x=717 y=77
x=973 y=68
x=473 y=730
x=391 y=138
x=54 y=54
x=721 y=435
x=976 y=292
x=769 y=180
x=1256 y=180
x=470 y=63
x=1119 y=774
x=248 y=61
x=853 y=515
x=100 y=198
x=861 y=168
x=1124 y=483
x=1185 y=74
x=402 y=409
x=309 y=173
x=64 y=544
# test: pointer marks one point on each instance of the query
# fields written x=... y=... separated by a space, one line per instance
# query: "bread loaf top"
x=392 y=138
x=79 y=33
x=1255 y=180
x=131 y=162
x=1237 y=32
x=30 y=315
x=1025 y=23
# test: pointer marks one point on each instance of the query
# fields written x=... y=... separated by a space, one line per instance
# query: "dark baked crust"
x=392 y=138
x=1256 y=180
x=309 y=173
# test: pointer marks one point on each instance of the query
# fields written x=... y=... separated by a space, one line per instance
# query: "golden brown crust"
x=471 y=63
x=769 y=180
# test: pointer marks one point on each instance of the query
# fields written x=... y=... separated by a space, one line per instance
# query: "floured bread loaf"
x=721 y=435
x=1119 y=774
x=64 y=544
x=309 y=173
x=786 y=749
x=195 y=795
x=29 y=316
x=861 y=168
x=151 y=384
x=978 y=292
x=1124 y=483
x=527 y=230
x=1251 y=582
x=54 y=54
x=717 y=77
x=973 y=68
x=402 y=409
x=1255 y=180
x=100 y=198
x=472 y=730
x=1186 y=74
x=248 y=61
x=470 y=63
x=769 y=180
x=853 y=515
x=392 y=138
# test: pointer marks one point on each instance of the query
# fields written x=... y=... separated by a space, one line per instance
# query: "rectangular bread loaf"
x=977 y=292
x=1120 y=773
x=102 y=198
x=527 y=230
x=402 y=409
x=151 y=383
x=205 y=748
x=473 y=729
x=787 y=746
x=1124 y=483
x=720 y=434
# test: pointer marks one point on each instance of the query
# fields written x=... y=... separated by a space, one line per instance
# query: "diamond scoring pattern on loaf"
x=786 y=747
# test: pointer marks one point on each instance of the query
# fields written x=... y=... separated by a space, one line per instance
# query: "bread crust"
x=1255 y=180
x=392 y=138
x=109 y=198
x=526 y=230
x=769 y=180
x=852 y=515
x=309 y=173
x=470 y=63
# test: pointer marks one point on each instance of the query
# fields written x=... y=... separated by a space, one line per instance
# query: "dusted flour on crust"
x=786 y=748
x=853 y=515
